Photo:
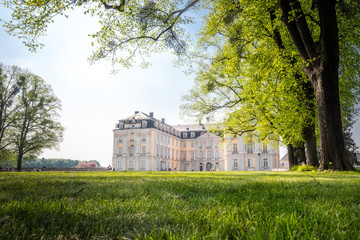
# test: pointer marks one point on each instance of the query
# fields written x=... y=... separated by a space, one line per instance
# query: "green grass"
x=178 y=205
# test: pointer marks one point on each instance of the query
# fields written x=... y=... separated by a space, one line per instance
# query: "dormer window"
x=184 y=135
x=121 y=125
x=144 y=124
x=192 y=135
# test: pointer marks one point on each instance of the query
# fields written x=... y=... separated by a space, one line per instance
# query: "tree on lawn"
x=36 y=126
x=147 y=26
x=259 y=85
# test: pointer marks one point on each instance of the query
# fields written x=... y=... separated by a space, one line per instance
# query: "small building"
x=144 y=143
x=284 y=162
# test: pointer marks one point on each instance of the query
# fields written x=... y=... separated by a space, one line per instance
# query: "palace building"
x=144 y=143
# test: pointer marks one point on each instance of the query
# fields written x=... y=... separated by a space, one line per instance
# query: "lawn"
x=180 y=205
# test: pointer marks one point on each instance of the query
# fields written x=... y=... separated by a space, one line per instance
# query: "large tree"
x=260 y=85
x=36 y=126
x=146 y=26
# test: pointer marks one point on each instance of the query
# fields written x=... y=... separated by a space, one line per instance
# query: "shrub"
x=303 y=168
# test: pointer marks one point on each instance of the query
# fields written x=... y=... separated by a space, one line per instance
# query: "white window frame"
x=265 y=162
x=235 y=163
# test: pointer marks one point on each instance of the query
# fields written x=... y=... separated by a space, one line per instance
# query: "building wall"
x=139 y=148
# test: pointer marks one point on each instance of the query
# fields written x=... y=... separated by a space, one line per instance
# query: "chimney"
x=136 y=112
x=163 y=120
x=151 y=114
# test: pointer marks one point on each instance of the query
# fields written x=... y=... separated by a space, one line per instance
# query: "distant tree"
x=10 y=84
x=7 y=156
x=35 y=126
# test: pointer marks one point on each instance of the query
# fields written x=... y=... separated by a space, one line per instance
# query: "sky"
x=93 y=99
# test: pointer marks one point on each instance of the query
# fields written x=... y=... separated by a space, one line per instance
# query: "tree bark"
x=301 y=156
x=311 y=150
x=291 y=156
x=19 y=162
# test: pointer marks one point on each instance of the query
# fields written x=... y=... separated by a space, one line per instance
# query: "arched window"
x=144 y=124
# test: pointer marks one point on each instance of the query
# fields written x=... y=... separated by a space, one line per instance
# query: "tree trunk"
x=310 y=144
x=19 y=162
x=301 y=155
x=291 y=156
x=333 y=153
x=326 y=88
x=321 y=65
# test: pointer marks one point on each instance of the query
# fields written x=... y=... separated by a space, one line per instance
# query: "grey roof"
x=190 y=127
x=139 y=115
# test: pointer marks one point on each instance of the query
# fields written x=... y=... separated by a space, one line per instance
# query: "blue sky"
x=92 y=98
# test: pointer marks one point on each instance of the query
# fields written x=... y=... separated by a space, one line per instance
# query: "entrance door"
x=208 y=166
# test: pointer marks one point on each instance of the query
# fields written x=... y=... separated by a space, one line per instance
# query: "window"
x=192 y=144
x=235 y=148
x=184 y=144
x=235 y=163
x=131 y=137
x=192 y=155
x=144 y=124
x=177 y=154
x=143 y=138
x=172 y=154
x=157 y=151
x=217 y=154
x=121 y=125
x=265 y=163
x=200 y=154
x=184 y=135
x=120 y=138
x=249 y=148
x=192 y=135
x=265 y=150
x=120 y=151
x=208 y=155
x=143 y=151
x=184 y=156
x=249 y=163
x=131 y=164
x=131 y=150
x=142 y=164
x=192 y=167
